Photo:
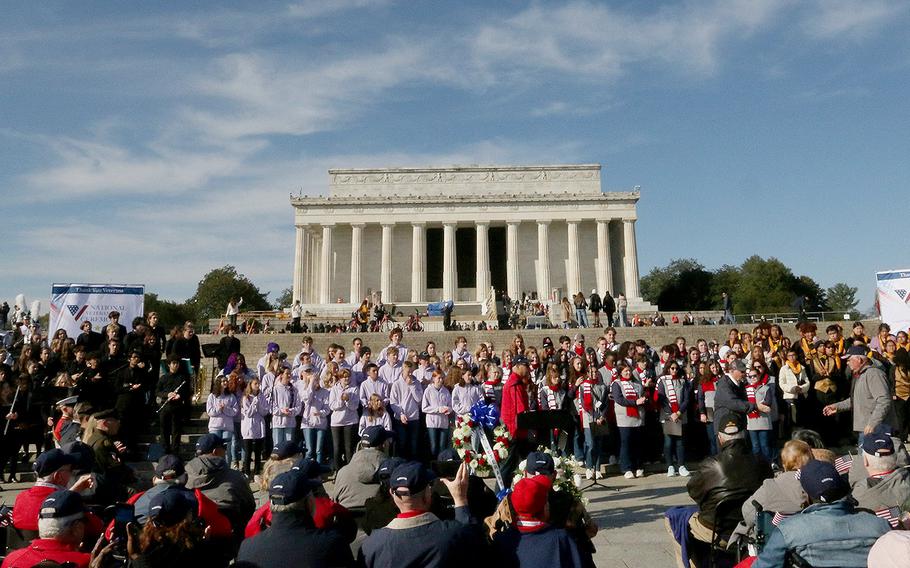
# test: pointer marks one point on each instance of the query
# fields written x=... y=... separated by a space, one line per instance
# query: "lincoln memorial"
x=420 y=235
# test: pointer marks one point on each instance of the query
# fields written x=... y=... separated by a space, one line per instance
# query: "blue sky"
x=148 y=143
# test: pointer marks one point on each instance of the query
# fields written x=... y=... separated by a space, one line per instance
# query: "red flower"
x=468 y=454
x=457 y=443
x=470 y=423
x=496 y=455
x=481 y=461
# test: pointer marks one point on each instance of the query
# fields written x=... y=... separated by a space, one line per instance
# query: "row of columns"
x=313 y=262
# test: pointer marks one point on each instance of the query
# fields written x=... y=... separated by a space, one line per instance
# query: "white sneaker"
x=639 y=473
x=589 y=473
x=671 y=471
x=577 y=479
x=683 y=472
x=598 y=475
x=629 y=475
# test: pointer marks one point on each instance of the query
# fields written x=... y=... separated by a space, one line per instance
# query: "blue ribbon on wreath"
x=486 y=415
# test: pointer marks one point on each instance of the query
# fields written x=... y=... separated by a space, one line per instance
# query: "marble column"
x=418 y=262
x=449 y=263
x=356 y=260
x=543 y=260
x=573 y=272
x=315 y=263
x=299 y=264
x=604 y=266
x=385 y=269
x=483 y=261
x=630 y=260
x=325 y=268
x=513 y=283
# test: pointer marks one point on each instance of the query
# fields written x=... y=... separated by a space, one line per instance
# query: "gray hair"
x=878 y=464
x=297 y=506
x=54 y=528
x=727 y=438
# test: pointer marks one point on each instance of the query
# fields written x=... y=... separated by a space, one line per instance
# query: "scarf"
x=750 y=393
x=839 y=347
x=628 y=391
x=773 y=346
x=797 y=369
x=552 y=404
x=489 y=387
x=671 y=393
x=587 y=397
x=808 y=351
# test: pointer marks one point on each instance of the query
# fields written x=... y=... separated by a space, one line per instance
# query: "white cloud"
x=598 y=42
x=854 y=19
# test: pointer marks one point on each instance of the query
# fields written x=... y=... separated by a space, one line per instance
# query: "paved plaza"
x=628 y=512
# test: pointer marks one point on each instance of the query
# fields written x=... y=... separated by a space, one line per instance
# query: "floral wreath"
x=564 y=467
x=477 y=461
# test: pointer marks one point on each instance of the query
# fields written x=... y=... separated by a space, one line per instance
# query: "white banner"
x=71 y=304
x=894 y=298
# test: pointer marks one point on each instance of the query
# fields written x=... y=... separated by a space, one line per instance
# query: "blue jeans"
x=225 y=435
x=407 y=436
x=674 y=444
x=234 y=450
x=623 y=318
x=629 y=448
x=581 y=316
x=761 y=443
x=712 y=438
x=440 y=439
x=315 y=440
x=592 y=449
x=282 y=435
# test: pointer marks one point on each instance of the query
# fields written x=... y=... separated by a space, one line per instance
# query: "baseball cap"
x=374 y=435
x=285 y=449
x=529 y=496
x=310 y=468
x=387 y=467
x=412 y=476
x=109 y=414
x=208 y=443
x=540 y=463
x=169 y=466
x=290 y=487
x=448 y=455
x=62 y=503
x=856 y=350
x=172 y=506
x=821 y=482
x=731 y=424
x=83 y=454
x=738 y=365
x=878 y=444
x=52 y=460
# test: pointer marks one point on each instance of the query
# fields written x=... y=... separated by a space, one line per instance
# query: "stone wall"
x=253 y=346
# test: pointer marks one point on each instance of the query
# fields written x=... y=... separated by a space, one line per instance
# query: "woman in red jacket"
x=515 y=400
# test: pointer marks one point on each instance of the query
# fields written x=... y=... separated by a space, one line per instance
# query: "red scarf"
x=528 y=525
x=628 y=391
x=671 y=393
x=552 y=405
x=750 y=392
x=587 y=398
x=709 y=385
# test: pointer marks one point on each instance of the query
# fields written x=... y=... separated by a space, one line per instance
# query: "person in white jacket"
x=794 y=383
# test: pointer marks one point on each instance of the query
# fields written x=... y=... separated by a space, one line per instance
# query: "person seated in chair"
x=732 y=475
x=887 y=485
x=830 y=531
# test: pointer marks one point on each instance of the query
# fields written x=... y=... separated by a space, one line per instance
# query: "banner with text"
x=71 y=304
x=894 y=298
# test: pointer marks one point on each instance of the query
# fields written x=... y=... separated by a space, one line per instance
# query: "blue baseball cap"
x=387 y=466
x=412 y=476
x=286 y=449
x=878 y=444
x=290 y=487
x=172 y=506
x=169 y=466
x=62 y=503
x=821 y=481
x=52 y=460
x=208 y=443
x=375 y=435
x=540 y=463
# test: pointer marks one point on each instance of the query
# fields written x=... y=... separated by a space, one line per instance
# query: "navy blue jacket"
x=545 y=548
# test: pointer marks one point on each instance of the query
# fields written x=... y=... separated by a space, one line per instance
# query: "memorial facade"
x=420 y=235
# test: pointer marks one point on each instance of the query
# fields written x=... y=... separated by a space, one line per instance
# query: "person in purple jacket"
x=221 y=408
x=253 y=409
x=343 y=402
x=285 y=408
x=390 y=371
x=374 y=384
x=315 y=414
x=437 y=405
x=405 y=399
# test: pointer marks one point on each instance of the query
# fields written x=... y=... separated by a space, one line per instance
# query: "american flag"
x=902 y=294
x=892 y=515
x=778 y=518
x=843 y=463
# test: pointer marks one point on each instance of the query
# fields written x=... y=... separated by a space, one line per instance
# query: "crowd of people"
x=379 y=424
